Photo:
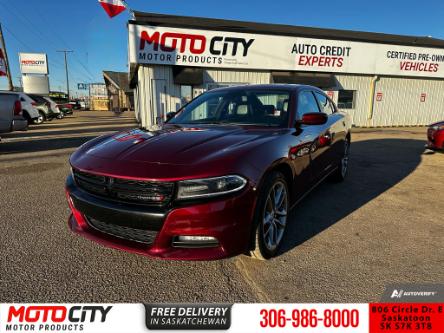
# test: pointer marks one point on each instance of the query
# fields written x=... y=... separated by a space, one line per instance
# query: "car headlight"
x=438 y=127
x=210 y=187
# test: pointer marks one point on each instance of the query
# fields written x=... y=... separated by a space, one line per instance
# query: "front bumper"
x=435 y=139
x=228 y=220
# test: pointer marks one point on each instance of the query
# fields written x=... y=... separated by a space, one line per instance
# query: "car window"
x=306 y=104
x=38 y=99
x=324 y=104
x=247 y=107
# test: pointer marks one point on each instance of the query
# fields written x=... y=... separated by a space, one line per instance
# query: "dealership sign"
x=33 y=63
x=204 y=48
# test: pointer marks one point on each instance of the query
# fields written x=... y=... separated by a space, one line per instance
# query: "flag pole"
x=130 y=11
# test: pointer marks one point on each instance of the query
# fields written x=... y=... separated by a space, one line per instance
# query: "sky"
x=100 y=43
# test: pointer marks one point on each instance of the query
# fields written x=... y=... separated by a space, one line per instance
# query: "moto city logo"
x=173 y=47
x=54 y=317
x=32 y=62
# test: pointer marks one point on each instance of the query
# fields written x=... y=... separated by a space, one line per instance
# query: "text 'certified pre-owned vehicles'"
x=217 y=180
x=435 y=136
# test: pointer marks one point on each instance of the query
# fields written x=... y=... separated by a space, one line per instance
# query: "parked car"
x=216 y=180
x=11 y=113
x=54 y=107
x=435 y=135
x=63 y=105
x=76 y=105
x=44 y=107
x=30 y=112
x=66 y=108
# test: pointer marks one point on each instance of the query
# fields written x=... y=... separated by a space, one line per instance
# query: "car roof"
x=271 y=86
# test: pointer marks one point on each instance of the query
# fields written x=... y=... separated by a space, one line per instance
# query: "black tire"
x=261 y=248
x=41 y=119
x=341 y=171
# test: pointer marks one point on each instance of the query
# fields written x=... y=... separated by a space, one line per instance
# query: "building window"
x=186 y=94
x=346 y=99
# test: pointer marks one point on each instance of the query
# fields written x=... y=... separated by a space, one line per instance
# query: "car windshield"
x=243 y=107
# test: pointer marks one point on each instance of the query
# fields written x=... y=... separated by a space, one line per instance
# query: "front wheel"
x=40 y=119
x=270 y=216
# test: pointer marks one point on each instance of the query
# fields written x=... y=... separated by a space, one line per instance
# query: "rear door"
x=335 y=134
x=6 y=111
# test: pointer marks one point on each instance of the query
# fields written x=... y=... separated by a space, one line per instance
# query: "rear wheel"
x=341 y=172
x=270 y=217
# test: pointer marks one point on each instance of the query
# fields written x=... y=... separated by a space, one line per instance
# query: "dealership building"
x=379 y=79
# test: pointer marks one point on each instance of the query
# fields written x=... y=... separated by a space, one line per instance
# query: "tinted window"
x=38 y=99
x=324 y=104
x=248 y=107
x=306 y=104
x=346 y=99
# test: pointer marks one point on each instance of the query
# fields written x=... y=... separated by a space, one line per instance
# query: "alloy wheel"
x=275 y=216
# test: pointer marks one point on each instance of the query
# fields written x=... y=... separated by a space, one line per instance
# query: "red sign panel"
x=379 y=96
x=407 y=318
x=423 y=97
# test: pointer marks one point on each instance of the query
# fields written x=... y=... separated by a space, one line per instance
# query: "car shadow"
x=375 y=166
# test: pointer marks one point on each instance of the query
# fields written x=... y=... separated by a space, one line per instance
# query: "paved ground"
x=345 y=242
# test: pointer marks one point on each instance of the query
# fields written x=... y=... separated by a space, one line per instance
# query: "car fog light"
x=195 y=241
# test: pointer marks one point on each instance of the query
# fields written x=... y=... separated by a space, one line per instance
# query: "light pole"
x=66 y=69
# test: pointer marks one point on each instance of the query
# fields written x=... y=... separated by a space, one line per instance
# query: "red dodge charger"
x=435 y=135
x=218 y=179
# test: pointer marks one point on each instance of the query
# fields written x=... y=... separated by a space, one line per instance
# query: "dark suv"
x=217 y=180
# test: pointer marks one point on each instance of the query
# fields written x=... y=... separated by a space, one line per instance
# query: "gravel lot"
x=345 y=242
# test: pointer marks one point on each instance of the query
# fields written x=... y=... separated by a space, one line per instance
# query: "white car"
x=55 y=108
x=30 y=113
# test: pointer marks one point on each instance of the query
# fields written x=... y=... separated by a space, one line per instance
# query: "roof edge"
x=284 y=30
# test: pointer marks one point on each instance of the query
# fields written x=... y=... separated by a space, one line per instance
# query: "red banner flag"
x=2 y=64
x=113 y=7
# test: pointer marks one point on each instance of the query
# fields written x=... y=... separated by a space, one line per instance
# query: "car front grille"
x=132 y=191
x=132 y=234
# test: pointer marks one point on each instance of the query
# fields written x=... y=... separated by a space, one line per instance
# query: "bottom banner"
x=245 y=318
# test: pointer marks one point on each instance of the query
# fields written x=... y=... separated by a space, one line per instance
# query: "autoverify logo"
x=397 y=294
x=401 y=293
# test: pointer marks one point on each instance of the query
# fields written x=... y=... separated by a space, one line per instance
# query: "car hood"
x=439 y=123
x=178 y=145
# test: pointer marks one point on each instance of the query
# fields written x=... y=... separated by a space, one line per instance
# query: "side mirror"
x=313 y=118
x=170 y=115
